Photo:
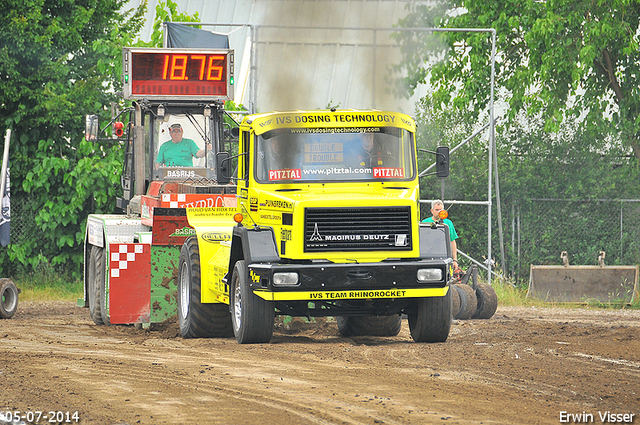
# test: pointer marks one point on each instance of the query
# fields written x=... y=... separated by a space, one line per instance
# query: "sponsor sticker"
x=216 y=236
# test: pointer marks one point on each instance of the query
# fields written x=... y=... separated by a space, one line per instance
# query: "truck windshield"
x=326 y=154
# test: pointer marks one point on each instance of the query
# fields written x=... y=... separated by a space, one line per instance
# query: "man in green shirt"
x=436 y=207
x=180 y=152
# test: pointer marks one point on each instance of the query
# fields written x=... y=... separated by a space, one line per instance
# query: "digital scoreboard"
x=172 y=74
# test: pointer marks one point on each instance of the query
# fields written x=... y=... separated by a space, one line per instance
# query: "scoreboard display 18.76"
x=166 y=74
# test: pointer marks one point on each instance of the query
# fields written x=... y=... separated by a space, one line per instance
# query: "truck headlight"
x=429 y=275
x=285 y=279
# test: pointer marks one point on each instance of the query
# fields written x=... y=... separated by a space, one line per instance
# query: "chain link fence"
x=546 y=227
x=536 y=231
x=23 y=228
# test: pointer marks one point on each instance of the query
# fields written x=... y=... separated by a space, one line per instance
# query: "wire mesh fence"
x=582 y=228
x=536 y=231
x=23 y=228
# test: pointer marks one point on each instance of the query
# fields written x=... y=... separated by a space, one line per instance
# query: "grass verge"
x=47 y=284
x=35 y=291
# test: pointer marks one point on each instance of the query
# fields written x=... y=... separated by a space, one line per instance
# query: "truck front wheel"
x=198 y=320
x=252 y=316
x=431 y=320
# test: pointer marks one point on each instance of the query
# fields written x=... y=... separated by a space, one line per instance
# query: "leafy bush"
x=51 y=78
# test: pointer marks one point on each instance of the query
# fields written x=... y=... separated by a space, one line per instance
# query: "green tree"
x=563 y=59
x=110 y=49
x=167 y=12
x=50 y=77
x=59 y=61
x=568 y=73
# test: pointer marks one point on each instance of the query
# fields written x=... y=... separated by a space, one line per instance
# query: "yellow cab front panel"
x=340 y=191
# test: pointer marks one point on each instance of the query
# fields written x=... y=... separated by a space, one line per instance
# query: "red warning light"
x=118 y=128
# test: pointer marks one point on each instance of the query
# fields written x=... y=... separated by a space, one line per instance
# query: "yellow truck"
x=326 y=223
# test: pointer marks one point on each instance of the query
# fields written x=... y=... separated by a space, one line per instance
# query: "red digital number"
x=178 y=68
x=215 y=71
x=203 y=61
x=165 y=67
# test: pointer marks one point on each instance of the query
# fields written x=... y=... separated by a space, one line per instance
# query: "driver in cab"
x=366 y=154
x=281 y=153
x=179 y=151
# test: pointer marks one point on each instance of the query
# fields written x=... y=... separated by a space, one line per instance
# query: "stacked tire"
x=468 y=303
x=487 y=302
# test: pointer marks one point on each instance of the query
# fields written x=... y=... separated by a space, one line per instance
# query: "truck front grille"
x=358 y=229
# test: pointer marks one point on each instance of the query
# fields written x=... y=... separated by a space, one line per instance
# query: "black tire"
x=95 y=275
x=198 y=320
x=432 y=320
x=487 y=301
x=8 y=298
x=455 y=301
x=369 y=325
x=468 y=301
x=102 y=285
x=252 y=317
x=463 y=301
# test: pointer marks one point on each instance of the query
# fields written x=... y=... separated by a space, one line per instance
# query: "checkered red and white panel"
x=123 y=256
x=197 y=200
x=129 y=283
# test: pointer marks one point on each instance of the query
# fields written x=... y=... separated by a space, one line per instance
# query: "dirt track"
x=523 y=366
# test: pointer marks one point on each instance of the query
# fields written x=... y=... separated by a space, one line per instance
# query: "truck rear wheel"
x=431 y=321
x=252 y=317
x=198 y=320
x=8 y=298
x=487 y=302
x=468 y=301
x=369 y=325
x=94 y=285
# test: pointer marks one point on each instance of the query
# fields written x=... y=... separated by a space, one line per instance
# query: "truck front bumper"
x=334 y=282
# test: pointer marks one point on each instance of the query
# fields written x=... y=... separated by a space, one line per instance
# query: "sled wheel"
x=468 y=302
x=95 y=274
x=432 y=320
x=252 y=316
x=487 y=301
x=455 y=301
x=8 y=298
x=198 y=320
x=369 y=325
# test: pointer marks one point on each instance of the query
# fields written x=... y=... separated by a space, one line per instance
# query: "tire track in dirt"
x=102 y=373
x=523 y=366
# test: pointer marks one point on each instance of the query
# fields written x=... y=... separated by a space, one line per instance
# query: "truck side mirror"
x=442 y=161
x=222 y=167
x=91 y=128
